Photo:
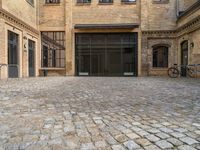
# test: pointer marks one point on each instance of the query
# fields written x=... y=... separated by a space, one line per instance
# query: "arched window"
x=160 y=56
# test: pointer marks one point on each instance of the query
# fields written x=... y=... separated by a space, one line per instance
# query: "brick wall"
x=161 y=16
x=22 y=10
x=185 y=4
x=51 y=16
x=96 y=13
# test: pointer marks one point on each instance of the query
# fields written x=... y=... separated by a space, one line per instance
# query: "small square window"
x=105 y=1
x=128 y=1
x=31 y=2
x=52 y=1
x=160 y=1
x=83 y=1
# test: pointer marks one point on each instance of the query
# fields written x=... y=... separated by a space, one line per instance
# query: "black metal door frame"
x=45 y=56
x=31 y=58
x=184 y=58
x=134 y=56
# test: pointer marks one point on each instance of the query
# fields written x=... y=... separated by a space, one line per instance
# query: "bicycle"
x=191 y=70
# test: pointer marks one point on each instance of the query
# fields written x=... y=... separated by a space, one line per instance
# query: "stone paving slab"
x=100 y=113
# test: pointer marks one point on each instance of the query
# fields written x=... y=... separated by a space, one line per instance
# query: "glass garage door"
x=108 y=54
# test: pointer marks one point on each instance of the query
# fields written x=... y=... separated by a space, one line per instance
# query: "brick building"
x=97 y=37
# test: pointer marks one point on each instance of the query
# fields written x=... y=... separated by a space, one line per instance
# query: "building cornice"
x=190 y=10
x=158 y=32
x=189 y=27
x=12 y=19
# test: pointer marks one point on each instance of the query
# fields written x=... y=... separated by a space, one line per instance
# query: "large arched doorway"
x=184 y=57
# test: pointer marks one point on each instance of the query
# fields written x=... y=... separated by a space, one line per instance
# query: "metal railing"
x=191 y=70
x=194 y=70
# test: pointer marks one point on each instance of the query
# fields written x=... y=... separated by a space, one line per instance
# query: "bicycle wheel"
x=190 y=72
x=173 y=72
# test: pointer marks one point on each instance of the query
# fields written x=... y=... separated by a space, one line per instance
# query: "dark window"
x=30 y=2
x=53 y=49
x=83 y=1
x=52 y=1
x=105 y=1
x=12 y=48
x=160 y=57
x=128 y=1
x=160 y=1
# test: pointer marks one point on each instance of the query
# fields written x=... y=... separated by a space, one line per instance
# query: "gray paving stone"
x=153 y=130
x=87 y=146
x=151 y=147
x=152 y=138
x=175 y=141
x=188 y=140
x=162 y=135
x=164 y=144
x=131 y=145
x=182 y=130
x=177 y=134
x=186 y=147
x=100 y=144
x=118 y=147
x=60 y=112
x=166 y=130
x=142 y=133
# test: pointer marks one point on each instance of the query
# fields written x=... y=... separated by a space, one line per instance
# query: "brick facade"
x=158 y=25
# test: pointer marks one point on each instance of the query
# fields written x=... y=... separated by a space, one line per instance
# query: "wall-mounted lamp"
x=192 y=45
x=25 y=38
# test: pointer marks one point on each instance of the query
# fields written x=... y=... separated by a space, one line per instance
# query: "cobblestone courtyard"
x=89 y=113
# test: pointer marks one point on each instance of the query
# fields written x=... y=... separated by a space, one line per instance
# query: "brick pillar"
x=24 y=55
x=69 y=38
x=3 y=50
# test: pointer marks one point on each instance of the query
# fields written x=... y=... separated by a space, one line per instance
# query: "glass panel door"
x=106 y=54
x=13 y=55
x=98 y=45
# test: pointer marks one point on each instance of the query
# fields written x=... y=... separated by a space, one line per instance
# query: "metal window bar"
x=53 y=49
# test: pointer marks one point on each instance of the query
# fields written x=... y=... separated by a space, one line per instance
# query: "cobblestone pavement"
x=90 y=113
